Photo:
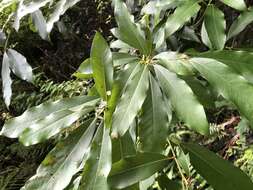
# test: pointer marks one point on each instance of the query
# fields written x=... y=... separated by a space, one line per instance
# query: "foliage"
x=121 y=135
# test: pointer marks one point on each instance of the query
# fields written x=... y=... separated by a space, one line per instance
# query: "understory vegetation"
x=126 y=94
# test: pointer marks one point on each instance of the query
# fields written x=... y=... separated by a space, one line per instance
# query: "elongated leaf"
x=154 y=122
x=85 y=70
x=215 y=27
x=40 y=24
x=238 y=4
x=6 y=80
x=175 y=62
x=2 y=37
x=181 y=15
x=133 y=169
x=98 y=165
x=19 y=65
x=25 y=8
x=51 y=125
x=123 y=147
x=64 y=160
x=203 y=92
x=240 y=23
x=240 y=61
x=230 y=84
x=204 y=37
x=60 y=8
x=14 y=127
x=131 y=101
x=102 y=65
x=128 y=31
x=219 y=173
x=120 y=59
x=183 y=100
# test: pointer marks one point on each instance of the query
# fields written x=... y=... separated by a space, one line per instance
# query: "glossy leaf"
x=19 y=65
x=238 y=4
x=183 y=101
x=240 y=61
x=229 y=83
x=175 y=62
x=133 y=169
x=120 y=59
x=131 y=100
x=40 y=24
x=60 y=8
x=85 y=70
x=6 y=80
x=13 y=128
x=128 y=31
x=215 y=27
x=240 y=23
x=181 y=15
x=98 y=165
x=219 y=173
x=102 y=65
x=204 y=37
x=51 y=125
x=154 y=121
x=64 y=160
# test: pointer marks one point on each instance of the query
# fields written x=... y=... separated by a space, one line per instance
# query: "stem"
x=184 y=180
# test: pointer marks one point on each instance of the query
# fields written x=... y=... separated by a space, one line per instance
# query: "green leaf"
x=215 y=25
x=133 y=169
x=127 y=30
x=240 y=61
x=175 y=62
x=131 y=100
x=102 y=65
x=120 y=59
x=204 y=37
x=123 y=147
x=57 y=169
x=219 y=173
x=40 y=24
x=85 y=70
x=240 y=23
x=19 y=65
x=13 y=128
x=238 y=4
x=98 y=165
x=230 y=84
x=51 y=125
x=183 y=100
x=203 y=92
x=154 y=121
x=6 y=80
x=181 y=15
